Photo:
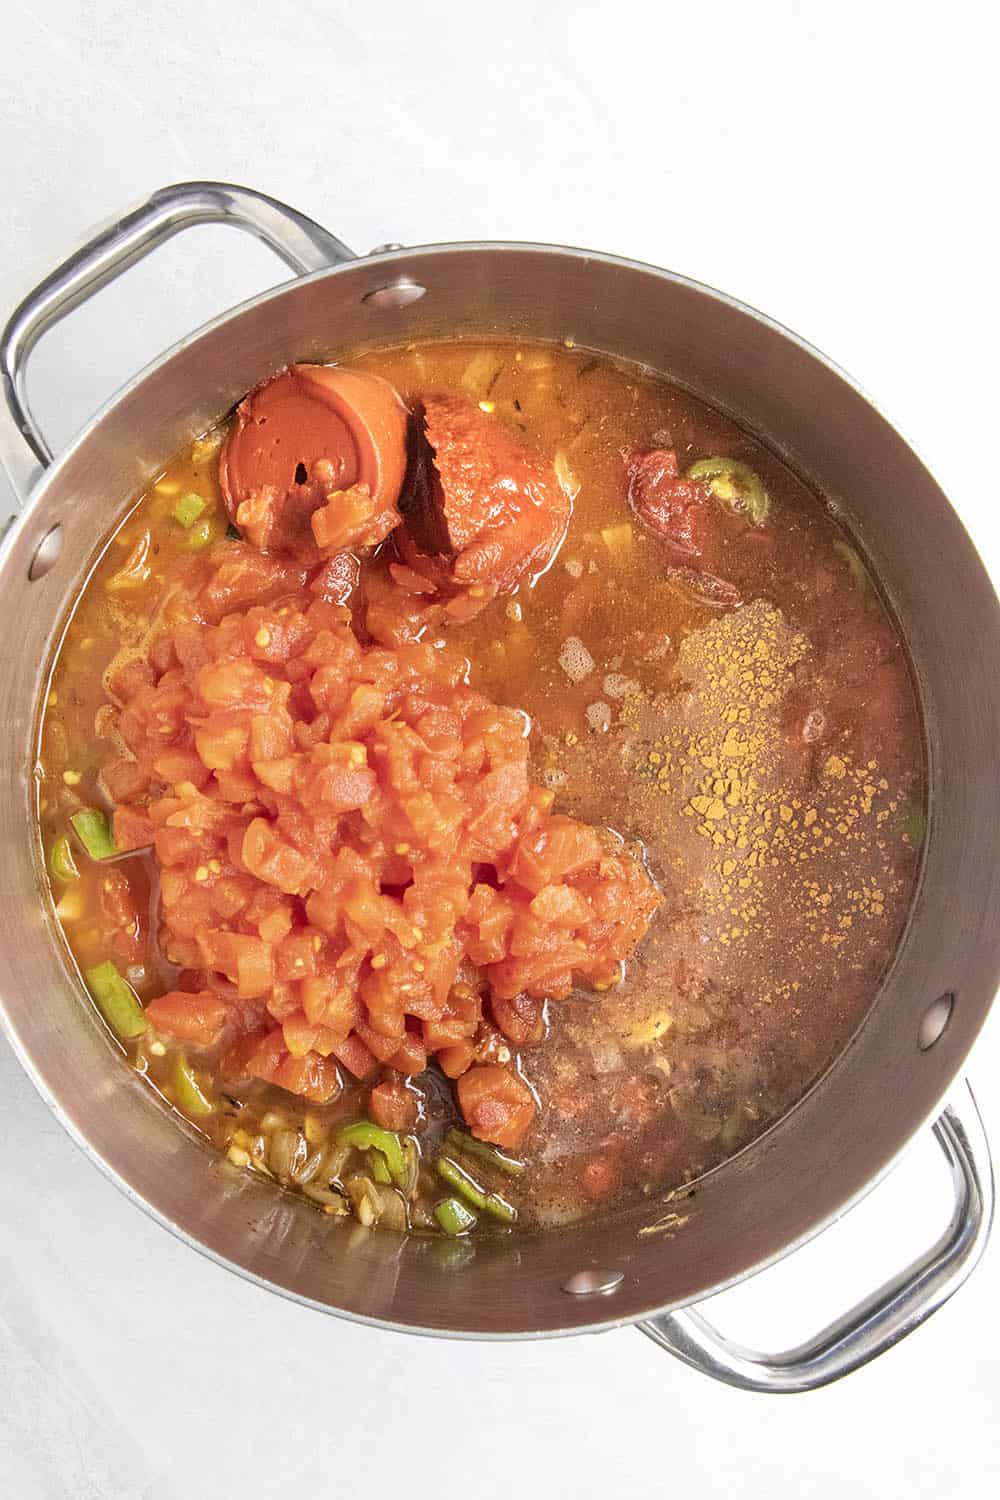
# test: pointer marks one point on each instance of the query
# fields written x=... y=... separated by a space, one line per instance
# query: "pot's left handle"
x=301 y=243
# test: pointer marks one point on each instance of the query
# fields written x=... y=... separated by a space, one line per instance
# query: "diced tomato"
x=497 y=1105
x=599 y=1176
x=410 y=581
x=179 y=765
x=456 y=1059
x=561 y=906
x=355 y=1056
x=295 y=958
x=520 y=1019
x=117 y=898
x=133 y=827
x=229 y=685
x=337 y=578
x=285 y=1002
x=198 y=1017
x=337 y=783
x=130 y=679
x=313 y=1077
x=381 y=1047
x=254 y=965
x=268 y=857
x=410 y=1056
x=394 y=1106
x=125 y=778
x=352 y=518
x=559 y=848
x=346 y=832
x=223 y=741
x=457 y=1021
x=301 y=1037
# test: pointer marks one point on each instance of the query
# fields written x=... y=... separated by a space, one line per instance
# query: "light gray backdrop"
x=836 y=166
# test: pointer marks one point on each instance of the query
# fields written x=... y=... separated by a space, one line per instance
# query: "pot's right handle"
x=882 y=1319
x=303 y=245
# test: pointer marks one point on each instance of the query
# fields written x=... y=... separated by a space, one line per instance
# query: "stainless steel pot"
x=892 y=1080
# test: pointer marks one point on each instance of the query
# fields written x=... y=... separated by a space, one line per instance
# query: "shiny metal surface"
x=850 y=1127
x=593 y=1283
x=882 y=1319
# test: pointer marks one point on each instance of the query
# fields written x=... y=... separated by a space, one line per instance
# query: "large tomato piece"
x=303 y=435
x=671 y=507
x=497 y=1105
x=486 y=501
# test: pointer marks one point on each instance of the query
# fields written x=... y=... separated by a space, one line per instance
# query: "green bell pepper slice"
x=467 y=1145
x=735 y=484
x=116 y=1000
x=453 y=1217
x=188 y=1092
x=62 y=865
x=854 y=566
x=94 y=832
x=189 y=508
x=202 y=534
x=379 y=1168
x=364 y=1136
x=488 y=1203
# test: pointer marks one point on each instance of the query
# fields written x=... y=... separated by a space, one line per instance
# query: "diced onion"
x=575 y=660
x=618 y=686
x=567 y=479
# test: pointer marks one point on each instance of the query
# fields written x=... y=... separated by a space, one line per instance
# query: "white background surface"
x=837 y=167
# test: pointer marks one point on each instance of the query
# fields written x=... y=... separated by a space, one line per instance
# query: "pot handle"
x=882 y=1319
x=302 y=244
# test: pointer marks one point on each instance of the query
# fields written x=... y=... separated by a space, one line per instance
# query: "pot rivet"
x=935 y=1020
x=397 y=294
x=593 y=1283
x=46 y=553
x=387 y=248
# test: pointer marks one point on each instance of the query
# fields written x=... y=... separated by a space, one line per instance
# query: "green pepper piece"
x=201 y=534
x=911 y=820
x=489 y=1203
x=854 y=565
x=190 y=1095
x=453 y=1216
x=62 y=865
x=116 y=1000
x=379 y=1168
x=188 y=510
x=735 y=484
x=363 y=1135
x=467 y=1145
x=94 y=833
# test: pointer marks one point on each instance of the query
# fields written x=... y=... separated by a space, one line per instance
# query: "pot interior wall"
x=882 y=1089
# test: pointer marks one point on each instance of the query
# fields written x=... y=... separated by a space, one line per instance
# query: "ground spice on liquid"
x=770 y=814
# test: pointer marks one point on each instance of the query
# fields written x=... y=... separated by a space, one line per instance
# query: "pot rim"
x=391 y=258
x=393 y=261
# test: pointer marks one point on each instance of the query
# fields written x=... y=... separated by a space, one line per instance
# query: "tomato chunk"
x=673 y=508
x=352 y=858
x=133 y=828
x=497 y=1105
x=199 y=1017
x=490 y=504
x=393 y=1105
